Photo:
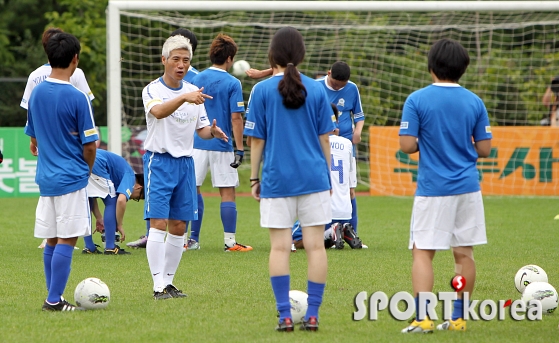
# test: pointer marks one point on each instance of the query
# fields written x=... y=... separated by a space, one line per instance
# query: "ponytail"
x=291 y=88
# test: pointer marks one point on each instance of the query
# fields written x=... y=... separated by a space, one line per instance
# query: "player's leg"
x=110 y=227
x=353 y=185
x=72 y=211
x=90 y=247
x=314 y=211
x=45 y=227
x=201 y=166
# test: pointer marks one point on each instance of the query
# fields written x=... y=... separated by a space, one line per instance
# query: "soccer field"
x=229 y=294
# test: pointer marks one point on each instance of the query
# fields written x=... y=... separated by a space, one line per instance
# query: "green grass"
x=229 y=294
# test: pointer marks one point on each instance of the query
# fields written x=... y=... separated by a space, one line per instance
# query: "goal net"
x=514 y=56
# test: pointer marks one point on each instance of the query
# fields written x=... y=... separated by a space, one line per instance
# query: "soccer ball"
x=299 y=305
x=528 y=274
x=92 y=294
x=544 y=292
x=240 y=67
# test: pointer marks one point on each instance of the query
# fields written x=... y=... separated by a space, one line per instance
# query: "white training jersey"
x=173 y=134
x=40 y=74
x=341 y=153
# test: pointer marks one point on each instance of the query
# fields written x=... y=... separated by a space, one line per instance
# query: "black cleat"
x=337 y=235
x=351 y=238
x=61 y=306
x=162 y=295
x=94 y=252
x=174 y=292
x=116 y=251
x=309 y=325
x=285 y=325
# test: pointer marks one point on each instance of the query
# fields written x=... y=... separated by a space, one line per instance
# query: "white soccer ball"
x=92 y=294
x=528 y=274
x=544 y=292
x=299 y=305
x=240 y=67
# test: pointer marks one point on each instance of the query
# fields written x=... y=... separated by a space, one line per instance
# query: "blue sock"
x=89 y=243
x=280 y=286
x=353 y=220
x=60 y=271
x=458 y=311
x=47 y=258
x=110 y=221
x=197 y=224
x=315 y=291
x=229 y=216
x=147 y=227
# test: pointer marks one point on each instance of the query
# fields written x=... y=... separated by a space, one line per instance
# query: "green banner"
x=17 y=172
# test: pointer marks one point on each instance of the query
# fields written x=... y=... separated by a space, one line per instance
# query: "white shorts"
x=63 y=216
x=218 y=163
x=311 y=210
x=98 y=187
x=353 y=173
x=438 y=223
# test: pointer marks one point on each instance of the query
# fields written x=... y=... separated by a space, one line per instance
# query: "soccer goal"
x=513 y=46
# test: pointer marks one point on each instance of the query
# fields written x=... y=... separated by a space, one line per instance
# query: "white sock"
x=173 y=255
x=155 y=251
x=328 y=234
x=229 y=239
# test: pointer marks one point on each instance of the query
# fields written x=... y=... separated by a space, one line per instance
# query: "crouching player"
x=339 y=230
x=114 y=181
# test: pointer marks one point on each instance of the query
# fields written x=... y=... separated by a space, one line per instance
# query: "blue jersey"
x=190 y=74
x=60 y=117
x=348 y=101
x=294 y=163
x=445 y=118
x=227 y=98
x=113 y=167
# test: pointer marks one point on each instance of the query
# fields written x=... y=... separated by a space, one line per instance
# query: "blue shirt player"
x=215 y=155
x=114 y=181
x=289 y=119
x=60 y=122
x=191 y=72
x=449 y=126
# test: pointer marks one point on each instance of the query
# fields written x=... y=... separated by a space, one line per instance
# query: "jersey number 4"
x=337 y=168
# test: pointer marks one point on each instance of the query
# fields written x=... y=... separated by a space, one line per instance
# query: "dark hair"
x=47 y=34
x=340 y=71
x=61 y=49
x=287 y=49
x=188 y=34
x=448 y=60
x=335 y=110
x=222 y=47
x=140 y=181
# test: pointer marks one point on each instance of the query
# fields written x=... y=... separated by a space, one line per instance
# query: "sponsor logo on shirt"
x=90 y=132
x=341 y=102
x=240 y=104
x=404 y=125
x=129 y=193
x=249 y=125
x=488 y=129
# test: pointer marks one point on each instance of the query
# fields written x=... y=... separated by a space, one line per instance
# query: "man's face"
x=335 y=84
x=176 y=66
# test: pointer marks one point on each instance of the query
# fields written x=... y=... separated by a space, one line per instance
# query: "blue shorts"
x=170 y=187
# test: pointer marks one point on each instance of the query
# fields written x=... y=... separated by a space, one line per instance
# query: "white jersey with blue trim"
x=40 y=74
x=348 y=101
x=445 y=117
x=227 y=96
x=341 y=151
x=60 y=117
x=173 y=134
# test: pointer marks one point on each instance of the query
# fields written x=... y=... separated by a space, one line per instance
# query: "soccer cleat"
x=453 y=325
x=337 y=235
x=116 y=251
x=174 y=292
x=238 y=247
x=140 y=243
x=162 y=295
x=191 y=244
x=94 y=252
x=43 y=243
x=285 y=325
x=293 y=249
x=61 y=306
x=424 y=326
x=363 y=246
x=309 y=325
x=351 y=238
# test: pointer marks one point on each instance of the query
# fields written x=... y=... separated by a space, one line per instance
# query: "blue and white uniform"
x=40 y=74
x=341 y=151
x=60 y=117
x=168 y=165
x=191 y=74
x=448 y=207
